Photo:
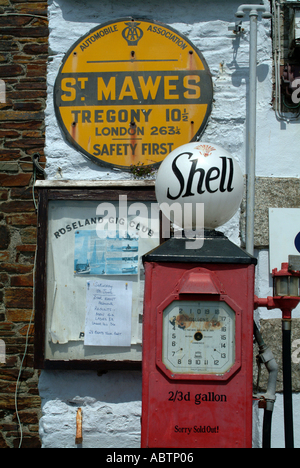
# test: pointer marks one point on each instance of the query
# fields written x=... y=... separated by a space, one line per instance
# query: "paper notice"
x=108 y=313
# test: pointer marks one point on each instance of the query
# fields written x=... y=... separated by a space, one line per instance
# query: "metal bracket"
x=237 y=28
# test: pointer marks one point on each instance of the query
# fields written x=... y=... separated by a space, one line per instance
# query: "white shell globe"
x=196 y=173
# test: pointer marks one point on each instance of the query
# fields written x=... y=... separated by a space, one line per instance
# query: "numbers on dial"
x=198 y=337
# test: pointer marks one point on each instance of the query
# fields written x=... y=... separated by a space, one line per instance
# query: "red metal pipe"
x=284 y=303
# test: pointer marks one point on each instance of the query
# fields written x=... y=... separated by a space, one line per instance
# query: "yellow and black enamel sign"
x=131 y=91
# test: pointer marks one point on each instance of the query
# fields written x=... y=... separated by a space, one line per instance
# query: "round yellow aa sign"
x=131 y=91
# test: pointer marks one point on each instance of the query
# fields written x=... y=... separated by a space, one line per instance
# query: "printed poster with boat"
x=110 y=254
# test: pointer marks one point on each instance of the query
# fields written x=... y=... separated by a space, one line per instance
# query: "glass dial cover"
x=198 y=337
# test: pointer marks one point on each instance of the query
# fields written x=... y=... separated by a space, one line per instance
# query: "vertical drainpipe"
x=252 y=134
x=250 y=165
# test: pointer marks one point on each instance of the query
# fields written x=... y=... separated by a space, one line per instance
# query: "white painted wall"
x=111 y=408
x=112 y=403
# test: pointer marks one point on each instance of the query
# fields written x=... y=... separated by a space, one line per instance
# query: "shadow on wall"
x=242 y=73
x=80 y=386
x=162 y=10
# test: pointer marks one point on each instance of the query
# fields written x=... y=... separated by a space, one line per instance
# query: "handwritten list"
x=108 y=313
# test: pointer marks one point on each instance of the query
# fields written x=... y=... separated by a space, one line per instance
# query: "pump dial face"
x=198 y=337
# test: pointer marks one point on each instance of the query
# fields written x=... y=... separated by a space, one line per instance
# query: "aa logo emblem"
x=132 y=34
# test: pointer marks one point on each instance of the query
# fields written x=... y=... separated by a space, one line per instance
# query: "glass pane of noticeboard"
x=95 y=277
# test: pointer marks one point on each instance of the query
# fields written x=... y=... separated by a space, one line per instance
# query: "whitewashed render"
x=111 y=403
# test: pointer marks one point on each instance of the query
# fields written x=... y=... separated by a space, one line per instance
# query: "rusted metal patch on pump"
x=184 y=321
x=131 y=91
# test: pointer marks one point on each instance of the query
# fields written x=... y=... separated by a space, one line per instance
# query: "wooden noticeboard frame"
x=76 y=193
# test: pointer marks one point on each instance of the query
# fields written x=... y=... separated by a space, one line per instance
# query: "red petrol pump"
x=198 y=345
x=198 y=311
x=198 y=314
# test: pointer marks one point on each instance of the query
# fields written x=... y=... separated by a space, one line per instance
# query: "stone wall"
x=270 y=192
x=23 y=59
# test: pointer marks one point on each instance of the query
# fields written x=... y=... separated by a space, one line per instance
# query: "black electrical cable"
x=35 y=159
x=287 y=384
x=267 y=424
x=267 y=421
x=36 y=168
